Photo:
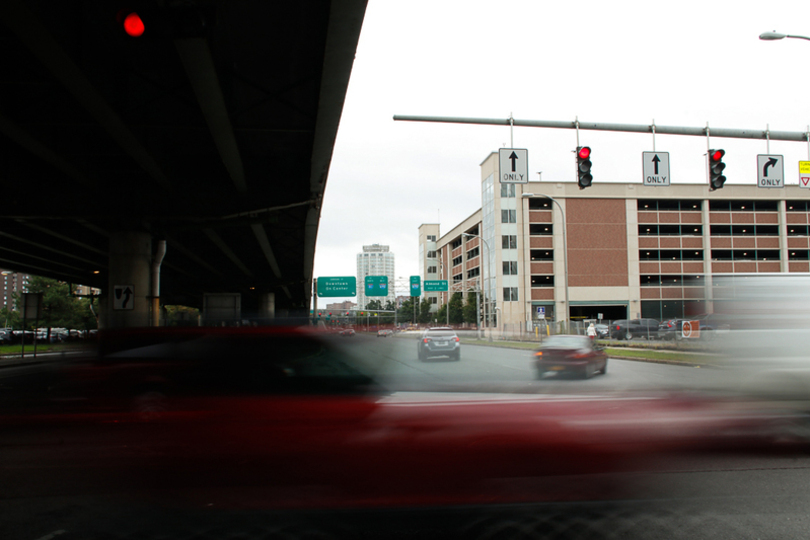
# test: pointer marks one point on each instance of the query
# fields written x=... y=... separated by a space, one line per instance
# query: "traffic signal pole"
x=797 y=136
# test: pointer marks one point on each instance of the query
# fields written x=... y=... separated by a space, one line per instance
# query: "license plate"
x=441 y=343
x=556 y=368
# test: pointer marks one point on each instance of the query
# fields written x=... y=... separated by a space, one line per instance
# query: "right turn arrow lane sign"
x=770 y=171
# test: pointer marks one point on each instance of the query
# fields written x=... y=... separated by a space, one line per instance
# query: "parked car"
x=570 y=354
x=602 y=330
x=629 y=329
x=671 y=329
x=440 y=341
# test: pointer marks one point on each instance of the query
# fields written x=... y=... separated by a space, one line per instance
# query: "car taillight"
x=539 y=353
x=426 y=340
x=618 y=327
x=456 y=339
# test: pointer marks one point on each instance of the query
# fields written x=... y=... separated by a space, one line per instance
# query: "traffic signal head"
x=584 y=177
x=133 y=25
x=167 y=23
x=716 y=166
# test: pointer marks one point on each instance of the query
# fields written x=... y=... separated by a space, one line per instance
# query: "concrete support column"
x=784 y=248
x=267 y=306
x=127 y=298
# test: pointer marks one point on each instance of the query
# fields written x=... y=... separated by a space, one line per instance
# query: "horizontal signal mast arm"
x=798 y=136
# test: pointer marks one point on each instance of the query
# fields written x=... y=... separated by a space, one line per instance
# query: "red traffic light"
x=133 y=25
x=584 y=152
x=717 y=155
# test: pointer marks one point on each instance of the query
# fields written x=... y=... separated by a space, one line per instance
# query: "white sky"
x=681 y=63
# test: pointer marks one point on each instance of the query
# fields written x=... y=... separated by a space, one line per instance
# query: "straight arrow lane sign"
x=655 y=168
x=514 y=165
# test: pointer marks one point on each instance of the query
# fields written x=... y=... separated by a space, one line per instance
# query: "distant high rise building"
x=375 y=260
x=341 y=306
x=429 y=261
x=13 y=282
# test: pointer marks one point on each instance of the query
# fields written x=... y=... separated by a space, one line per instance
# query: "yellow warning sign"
x=804 y=174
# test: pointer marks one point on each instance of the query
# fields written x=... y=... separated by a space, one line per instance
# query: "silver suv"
x=440 y=341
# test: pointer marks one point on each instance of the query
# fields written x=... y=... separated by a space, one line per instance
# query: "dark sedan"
x=570 y=354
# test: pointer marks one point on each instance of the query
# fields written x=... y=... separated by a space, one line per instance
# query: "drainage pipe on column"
x=156 y=262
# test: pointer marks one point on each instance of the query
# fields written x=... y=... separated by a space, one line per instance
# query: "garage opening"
x=609 y=313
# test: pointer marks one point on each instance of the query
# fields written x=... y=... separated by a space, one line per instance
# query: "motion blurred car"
x=577 y=355
x=287 y=423
x=440 y=341
x=384 y=333
x=348 y=332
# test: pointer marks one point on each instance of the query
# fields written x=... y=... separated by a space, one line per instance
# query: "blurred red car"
x=284 y=419
x=570 y=354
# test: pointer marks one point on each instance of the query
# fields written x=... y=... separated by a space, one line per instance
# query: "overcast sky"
x=680 y=63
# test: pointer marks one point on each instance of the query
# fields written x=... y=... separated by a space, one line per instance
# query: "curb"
x=668 y=362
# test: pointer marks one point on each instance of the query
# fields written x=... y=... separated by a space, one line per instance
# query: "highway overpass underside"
x=212 y=131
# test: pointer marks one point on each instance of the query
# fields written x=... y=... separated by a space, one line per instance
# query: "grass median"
x=635 y=353
x=42 y=348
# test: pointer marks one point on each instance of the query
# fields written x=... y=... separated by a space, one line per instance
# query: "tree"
x=181 y=315
x=456 y=308
x=406 y=311
x=60 y=308
x=10 y=318
x=441 y=315
x=424 y=312
x=470 y=310
x=388 y=318
x=374 y=305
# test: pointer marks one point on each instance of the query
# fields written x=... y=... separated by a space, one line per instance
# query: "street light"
x=773 y=36
x=565 y=249
x=483 y=282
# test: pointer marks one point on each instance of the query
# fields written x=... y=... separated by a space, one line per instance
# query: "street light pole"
x=483 y=281
x=773 y=36
x=565 y=249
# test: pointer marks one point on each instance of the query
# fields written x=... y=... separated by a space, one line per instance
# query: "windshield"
x=566 y=342
x=440 y=334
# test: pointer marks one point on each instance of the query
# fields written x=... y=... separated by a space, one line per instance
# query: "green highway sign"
x=416 y=286
x=435 y=285
x=337 y=286
x=376 y=286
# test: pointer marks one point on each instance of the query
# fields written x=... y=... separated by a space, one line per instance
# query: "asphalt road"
x=393 y=361
x=744 y=493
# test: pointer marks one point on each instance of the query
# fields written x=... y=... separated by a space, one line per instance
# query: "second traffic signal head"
x=584 y=177
x=716 y=166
